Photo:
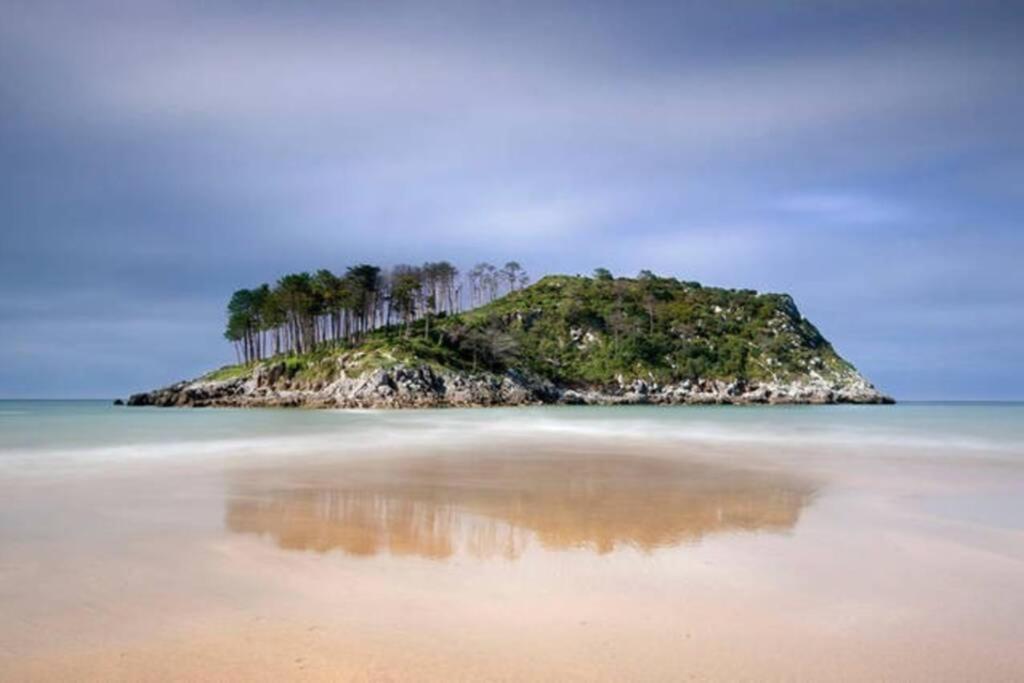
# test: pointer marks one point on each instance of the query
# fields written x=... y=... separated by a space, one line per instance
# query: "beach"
x=556 y=543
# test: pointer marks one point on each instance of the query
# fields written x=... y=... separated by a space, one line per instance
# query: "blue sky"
x=867 y=157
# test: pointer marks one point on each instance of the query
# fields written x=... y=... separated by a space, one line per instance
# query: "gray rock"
x=422 y=386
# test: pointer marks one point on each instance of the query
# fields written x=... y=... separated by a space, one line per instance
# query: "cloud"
x=160 y=154
x=846 y=208
x=264 y=79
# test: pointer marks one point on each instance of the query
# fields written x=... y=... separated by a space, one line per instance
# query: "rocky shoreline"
x=424 y=387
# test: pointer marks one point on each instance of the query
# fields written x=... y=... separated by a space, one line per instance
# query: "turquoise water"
x=31 y=429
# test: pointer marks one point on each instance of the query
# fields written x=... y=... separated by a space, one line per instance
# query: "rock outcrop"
x=424 y=387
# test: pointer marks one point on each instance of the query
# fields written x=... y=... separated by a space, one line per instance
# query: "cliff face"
x=564 y=340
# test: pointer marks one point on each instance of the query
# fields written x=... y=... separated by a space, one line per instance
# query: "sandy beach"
x=536 y=555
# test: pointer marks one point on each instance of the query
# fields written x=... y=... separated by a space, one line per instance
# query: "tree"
x=272 y=316
x=234 y=332
x=603 y=274
x=303 y=312
x=439 y=281
x=243 y=324
x=405 y=291
x=328 y=293
x=484 y=282
x=448 y=275
x=512 y=272
x=297 y=299
x=653 y=291
x=474 y=284
x=489 y=344
x=258 y=305
x=364 y=281
x=491 y=282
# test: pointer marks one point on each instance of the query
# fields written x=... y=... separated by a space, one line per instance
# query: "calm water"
x=32 y=430
x=559 y=543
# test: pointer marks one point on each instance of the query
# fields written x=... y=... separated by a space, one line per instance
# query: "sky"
x=866 y=157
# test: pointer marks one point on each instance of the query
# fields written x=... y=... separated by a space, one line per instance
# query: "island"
x=422 y=337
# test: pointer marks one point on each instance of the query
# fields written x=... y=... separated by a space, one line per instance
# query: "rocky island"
x=563 y=340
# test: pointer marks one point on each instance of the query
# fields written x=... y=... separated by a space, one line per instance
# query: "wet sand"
x=533 y=557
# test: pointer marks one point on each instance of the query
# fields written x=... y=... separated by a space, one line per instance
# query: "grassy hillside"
x=579 y=330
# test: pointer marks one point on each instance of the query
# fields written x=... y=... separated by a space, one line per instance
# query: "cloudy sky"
x=867 y=157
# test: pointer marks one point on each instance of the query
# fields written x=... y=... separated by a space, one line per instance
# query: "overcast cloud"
x=864 y=156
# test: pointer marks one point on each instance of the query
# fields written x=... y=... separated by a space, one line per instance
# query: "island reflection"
x=437 y=507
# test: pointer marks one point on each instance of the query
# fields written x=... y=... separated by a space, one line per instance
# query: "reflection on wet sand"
x=437 y=507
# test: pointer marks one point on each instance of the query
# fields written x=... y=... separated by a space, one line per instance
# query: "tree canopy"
x=302 y=311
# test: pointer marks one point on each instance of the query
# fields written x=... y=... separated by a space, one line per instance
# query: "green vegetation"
x=590 y=330
x=227 y=372
x=581 y=331
x=305 y=313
